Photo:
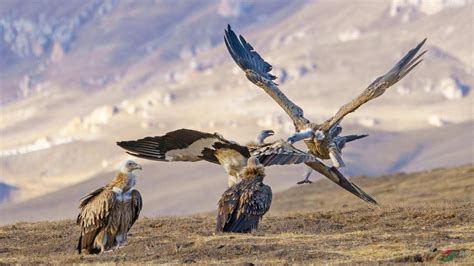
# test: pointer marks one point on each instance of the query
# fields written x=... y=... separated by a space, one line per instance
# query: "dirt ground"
x=427 y=230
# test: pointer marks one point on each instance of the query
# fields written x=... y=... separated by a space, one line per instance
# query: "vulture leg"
x=307 y=173
x=336 y=156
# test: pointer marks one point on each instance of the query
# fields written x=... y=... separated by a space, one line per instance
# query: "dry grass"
x=407 y=231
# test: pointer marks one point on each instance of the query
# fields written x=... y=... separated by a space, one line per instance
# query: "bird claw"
x=306 y=181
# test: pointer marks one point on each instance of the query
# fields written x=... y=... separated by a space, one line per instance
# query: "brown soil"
x=409 y=230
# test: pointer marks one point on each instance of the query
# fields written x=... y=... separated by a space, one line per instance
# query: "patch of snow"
x=229 y=8
x=169 y=98
x=40 y=144
x=436 y=121
x=452 y=89
x=427 y=7
x=367 y=121
x=349 y=35
x=402 y=90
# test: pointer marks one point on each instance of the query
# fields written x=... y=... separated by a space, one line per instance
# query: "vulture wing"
x=242 y=207
x=228 y=205
x=182 y=145
x=94 y=215
x=258 y=72
x=279 y=153
x=379 y=86
x=136 y=204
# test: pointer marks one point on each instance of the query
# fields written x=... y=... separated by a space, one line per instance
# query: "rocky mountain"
x=77 y=76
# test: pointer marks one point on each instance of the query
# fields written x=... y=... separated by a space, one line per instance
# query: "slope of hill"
x=423 y=217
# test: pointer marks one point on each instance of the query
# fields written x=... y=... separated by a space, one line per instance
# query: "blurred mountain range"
x=77 y=76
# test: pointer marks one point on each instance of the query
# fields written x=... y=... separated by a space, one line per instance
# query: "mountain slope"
x=424 y=217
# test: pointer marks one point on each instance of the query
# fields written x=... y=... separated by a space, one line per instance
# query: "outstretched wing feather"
x=257 y=71
x=379 y=86
x=181 y=145
x=280 y=153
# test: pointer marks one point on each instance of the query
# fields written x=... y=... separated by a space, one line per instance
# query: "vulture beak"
x=137 y=167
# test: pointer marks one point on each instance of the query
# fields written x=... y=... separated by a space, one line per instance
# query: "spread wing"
x=379 y=86
x=94 y=214
x=279 y=153
x=182 y=145
x=242 y=207
x=258 y=72
x=337 y=177
x=136 y=204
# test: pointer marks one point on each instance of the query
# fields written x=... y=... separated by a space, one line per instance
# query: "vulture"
x=107 y=214
x=242 y=206
x=320 y=138
x=192 y=145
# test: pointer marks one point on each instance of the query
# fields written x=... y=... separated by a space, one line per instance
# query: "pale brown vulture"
x=321 y=139
x=242 y=206
x=107 y=214
x=192 y=145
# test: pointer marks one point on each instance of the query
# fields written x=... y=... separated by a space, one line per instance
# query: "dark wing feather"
x=227 y=206
x=181 y=145
x=279 y=153
x=378 y=87
x=257 y=71
x=136 y=204
x=337 y=177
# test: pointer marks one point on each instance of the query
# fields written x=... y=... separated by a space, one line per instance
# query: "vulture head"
x=129 y=166
x=263 y=135
x=254 y=170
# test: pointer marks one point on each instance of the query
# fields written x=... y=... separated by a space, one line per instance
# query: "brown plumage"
x=107 y=214
x=242 y=206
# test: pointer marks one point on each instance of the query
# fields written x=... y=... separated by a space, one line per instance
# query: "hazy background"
x=77 y=76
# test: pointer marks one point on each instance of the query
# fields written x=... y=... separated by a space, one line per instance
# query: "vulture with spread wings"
x=191 y=145
x=322 y=140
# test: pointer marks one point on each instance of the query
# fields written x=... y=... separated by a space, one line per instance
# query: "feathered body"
x=242 y=206
x=107 y=214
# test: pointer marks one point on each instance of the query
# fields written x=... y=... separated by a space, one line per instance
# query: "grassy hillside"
x=422 y=216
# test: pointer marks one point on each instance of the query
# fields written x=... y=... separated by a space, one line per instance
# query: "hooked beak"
x=138 y=167
x=271 y=133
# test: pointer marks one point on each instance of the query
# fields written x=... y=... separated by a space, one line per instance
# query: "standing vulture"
x=192 y=145
x=242 y=206
x=107 y=214
x=319 y=138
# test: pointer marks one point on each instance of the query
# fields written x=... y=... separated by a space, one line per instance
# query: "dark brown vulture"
x=107 y=214
x=242 y=206
x=321 y=139
x=192 y=145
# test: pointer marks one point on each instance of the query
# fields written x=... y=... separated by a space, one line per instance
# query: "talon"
x=304 y=182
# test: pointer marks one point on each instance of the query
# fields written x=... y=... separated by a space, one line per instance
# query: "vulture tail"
x=350 y=138
x=79 y=246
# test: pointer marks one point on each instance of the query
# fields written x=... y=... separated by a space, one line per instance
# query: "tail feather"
x=350 y=138
x=79 y=245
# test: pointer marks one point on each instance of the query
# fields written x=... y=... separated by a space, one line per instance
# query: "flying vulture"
x=321 y=139
x=242 y=206
x=107 y=214
x=191 y=145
